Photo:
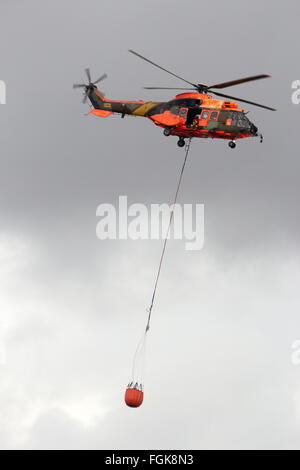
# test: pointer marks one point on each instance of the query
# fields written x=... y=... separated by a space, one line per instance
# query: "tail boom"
x=135 y=108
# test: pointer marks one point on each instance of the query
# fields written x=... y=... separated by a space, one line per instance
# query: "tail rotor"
x=90 y=86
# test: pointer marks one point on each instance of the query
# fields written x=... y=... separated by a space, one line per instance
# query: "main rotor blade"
x=101 y=78
x=244 y=101
x=158 y=66
x=87 y=71
x=237 y=82
x=85 y=98
x=79 y=85
x=165 y=88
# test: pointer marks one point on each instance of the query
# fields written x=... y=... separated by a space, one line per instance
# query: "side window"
x=214 y=116
x=204 y=115
x=175 y=110
x=182 y=113
x=229 y=118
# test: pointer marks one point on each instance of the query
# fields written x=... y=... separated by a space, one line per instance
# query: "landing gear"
x=232 y=144
x=167 y=132
x=181 y=142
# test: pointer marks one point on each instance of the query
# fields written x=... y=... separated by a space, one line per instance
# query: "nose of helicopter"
x=254 y=129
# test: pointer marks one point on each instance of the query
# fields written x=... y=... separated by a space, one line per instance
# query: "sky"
x=219 y=373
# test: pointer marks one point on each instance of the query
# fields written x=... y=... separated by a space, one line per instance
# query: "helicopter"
x=193 y=113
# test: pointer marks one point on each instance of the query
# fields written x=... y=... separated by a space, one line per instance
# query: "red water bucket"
x=133 y=397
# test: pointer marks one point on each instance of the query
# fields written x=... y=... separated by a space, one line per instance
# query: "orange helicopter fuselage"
x=187 y=115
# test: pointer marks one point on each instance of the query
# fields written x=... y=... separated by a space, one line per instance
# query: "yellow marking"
x=144 y=108
x=107 y=105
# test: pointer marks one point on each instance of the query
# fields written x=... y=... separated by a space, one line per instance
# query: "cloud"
x=218 y=357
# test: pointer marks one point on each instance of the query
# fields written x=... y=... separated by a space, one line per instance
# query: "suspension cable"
x=187 y=148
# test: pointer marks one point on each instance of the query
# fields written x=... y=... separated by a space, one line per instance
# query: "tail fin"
x=97 y=99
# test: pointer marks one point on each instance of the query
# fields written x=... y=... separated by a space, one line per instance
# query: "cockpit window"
x=233 y=115
x=239 y=119
x=242 y=121
x=182 y=113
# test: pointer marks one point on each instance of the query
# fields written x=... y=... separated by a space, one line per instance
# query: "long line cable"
x=187 y=148
x=139 y=356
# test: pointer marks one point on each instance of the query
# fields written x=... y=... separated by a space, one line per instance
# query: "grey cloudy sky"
x=219 y=371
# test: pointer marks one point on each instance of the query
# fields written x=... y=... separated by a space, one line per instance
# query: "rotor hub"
x=202 y=88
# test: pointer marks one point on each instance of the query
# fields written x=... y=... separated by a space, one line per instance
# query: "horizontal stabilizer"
x=100 y=113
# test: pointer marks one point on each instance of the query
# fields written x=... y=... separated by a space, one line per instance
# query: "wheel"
x=232 y=144
x=181 y=142
x=167 y=132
